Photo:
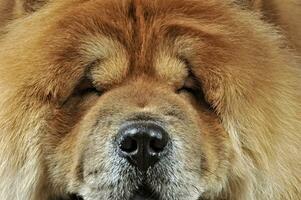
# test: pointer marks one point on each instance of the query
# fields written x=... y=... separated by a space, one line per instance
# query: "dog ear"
x=28 y=6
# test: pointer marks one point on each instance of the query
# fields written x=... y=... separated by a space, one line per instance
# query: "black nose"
x=142 y=143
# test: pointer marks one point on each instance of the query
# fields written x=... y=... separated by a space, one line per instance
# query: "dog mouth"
x=74 y=197
x=145 y=193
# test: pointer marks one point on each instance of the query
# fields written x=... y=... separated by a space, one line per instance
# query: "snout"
x=142 y=143
x=149 y=151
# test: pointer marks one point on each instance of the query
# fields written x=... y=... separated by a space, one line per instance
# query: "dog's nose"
x=142 y=143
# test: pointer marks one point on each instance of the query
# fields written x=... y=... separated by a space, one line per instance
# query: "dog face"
x=134 y=119
x=136 y=96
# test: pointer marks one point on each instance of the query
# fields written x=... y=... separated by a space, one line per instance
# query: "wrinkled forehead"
x=155 y=38
x=137 y=34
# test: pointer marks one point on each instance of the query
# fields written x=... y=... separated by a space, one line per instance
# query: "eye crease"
x=188 y=86
x=193 y=87
x=85 y=87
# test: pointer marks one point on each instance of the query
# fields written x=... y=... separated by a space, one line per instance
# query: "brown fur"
x=244 y=145
x=287 y=15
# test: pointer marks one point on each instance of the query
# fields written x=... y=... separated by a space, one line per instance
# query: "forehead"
x=152 y=37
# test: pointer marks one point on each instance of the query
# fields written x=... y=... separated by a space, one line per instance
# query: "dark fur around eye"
x=81 y=91
x=198 y=94
x=85 y=87
x=194 y=87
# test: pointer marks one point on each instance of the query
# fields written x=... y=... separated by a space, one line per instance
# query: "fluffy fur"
x=237 y=136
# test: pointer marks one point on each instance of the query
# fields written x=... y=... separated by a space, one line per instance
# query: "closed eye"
x=189 y=85
x=83 y=91
x=193 y=87
x=86 y=87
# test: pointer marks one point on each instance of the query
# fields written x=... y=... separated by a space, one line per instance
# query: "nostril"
x=157 y=145
x=128 y=145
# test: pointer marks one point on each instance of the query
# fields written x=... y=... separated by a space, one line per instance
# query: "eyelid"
x=189 y=83
x=85 y=83
x=85 y=86
x=190 y=80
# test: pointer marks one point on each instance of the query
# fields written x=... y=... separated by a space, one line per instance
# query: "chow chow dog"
x=150 y=100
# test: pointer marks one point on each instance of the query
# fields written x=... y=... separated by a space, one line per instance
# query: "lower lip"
x=75 y=197
x=138 y=197
x=144 y=193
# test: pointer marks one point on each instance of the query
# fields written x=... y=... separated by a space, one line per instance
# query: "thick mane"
x=246 y=68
